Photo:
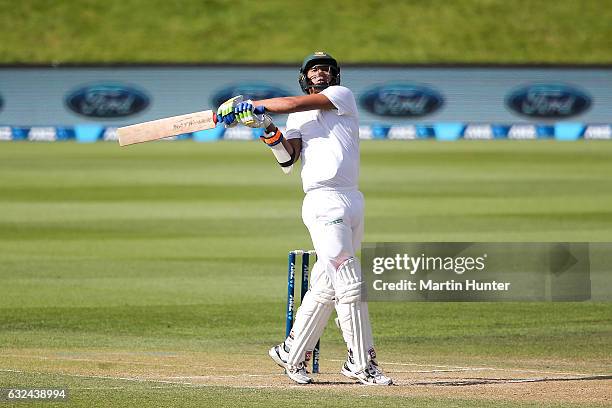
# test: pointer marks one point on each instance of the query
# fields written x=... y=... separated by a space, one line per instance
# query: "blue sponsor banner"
x=425 y=132
x=209 y=135
x=20 y=133
x=448 y=132
x=380 y=131
x=545 y=131
x=566 y=131
x=64 y=133
x=88 y=133
x=500 y=131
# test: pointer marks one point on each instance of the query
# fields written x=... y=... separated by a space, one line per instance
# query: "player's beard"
x=316 y=88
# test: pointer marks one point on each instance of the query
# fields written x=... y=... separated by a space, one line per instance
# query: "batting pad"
x=355 y=326
x=310 y=321
x=352 y=312
x=344 y=323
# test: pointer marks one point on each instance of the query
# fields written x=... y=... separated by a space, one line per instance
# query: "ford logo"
x=401 y=99
x=249 y=90
x=107 y=101
x=548 y=101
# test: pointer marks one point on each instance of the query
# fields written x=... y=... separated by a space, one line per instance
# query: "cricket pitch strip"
x=537 y=382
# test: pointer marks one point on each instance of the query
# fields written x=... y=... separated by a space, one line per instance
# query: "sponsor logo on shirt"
x=334 y=222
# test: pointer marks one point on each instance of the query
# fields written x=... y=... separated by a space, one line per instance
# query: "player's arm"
x=227 y=112
x=291 y=104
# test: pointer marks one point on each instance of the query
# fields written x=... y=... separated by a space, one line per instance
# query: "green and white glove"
x=252 y=116
x=226 y=114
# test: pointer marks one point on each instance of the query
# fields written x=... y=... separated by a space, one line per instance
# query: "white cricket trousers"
x=335 y=221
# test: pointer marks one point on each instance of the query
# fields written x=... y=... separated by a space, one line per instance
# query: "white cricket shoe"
x=279 y=355
x=297 y=374
x=372 y=375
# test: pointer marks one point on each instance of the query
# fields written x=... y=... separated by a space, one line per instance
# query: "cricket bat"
x=166 y=127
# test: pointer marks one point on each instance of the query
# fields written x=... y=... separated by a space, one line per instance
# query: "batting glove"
x=252 y=116
x=225 y=113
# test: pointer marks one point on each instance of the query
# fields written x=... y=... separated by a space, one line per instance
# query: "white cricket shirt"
x=330 y=142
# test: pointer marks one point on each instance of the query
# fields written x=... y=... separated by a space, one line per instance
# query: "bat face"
x=166 y=127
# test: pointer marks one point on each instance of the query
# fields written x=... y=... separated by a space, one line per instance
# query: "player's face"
x=319 y=75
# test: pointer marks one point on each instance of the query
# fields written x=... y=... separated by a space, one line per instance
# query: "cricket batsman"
x=322 y=129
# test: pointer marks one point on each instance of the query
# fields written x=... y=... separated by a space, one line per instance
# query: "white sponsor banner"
x=400 y=95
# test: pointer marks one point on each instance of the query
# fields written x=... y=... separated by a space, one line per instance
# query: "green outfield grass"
x=179 y=249
x=497 y=31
